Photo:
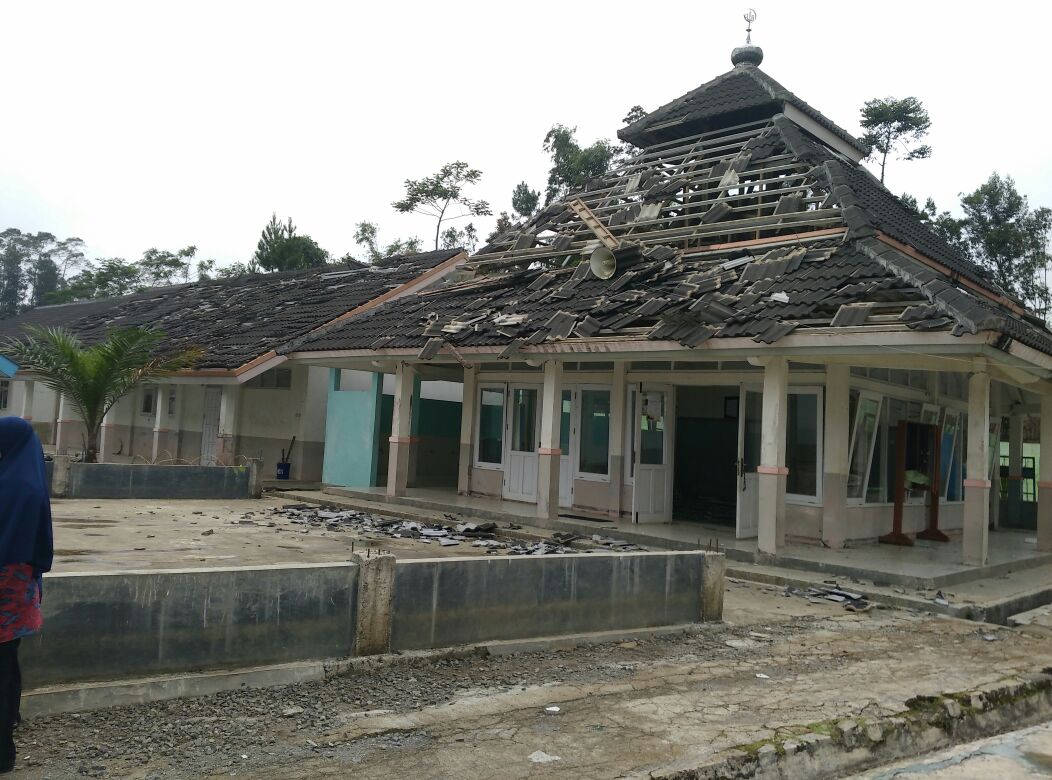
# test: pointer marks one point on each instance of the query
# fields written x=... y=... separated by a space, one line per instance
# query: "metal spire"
x=750 y=17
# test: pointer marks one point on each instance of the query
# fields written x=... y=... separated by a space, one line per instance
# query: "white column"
x=401 y=430
x=618 y=415
x=161 y=425
x=467 y=428
x=1044 y=483
x=228 y=423
x=772 y=471
x=28 y=388
x=61 y=434
x=835 y=450
x=549 y=456
x=977 y=482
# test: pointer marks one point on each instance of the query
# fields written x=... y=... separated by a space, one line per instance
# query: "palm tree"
x=95 y=377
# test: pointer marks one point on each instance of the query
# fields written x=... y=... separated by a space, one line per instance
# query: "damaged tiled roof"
x=754 y=231
x=236 y=320
x=742 y=94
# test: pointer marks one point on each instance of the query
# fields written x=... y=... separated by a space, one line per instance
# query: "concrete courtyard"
x=120 y=534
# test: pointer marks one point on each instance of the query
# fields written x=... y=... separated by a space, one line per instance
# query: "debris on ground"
x=454 y=531
x=831 y=591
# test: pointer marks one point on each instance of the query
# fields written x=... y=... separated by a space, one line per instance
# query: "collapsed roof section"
x=757 y=230
x=235 y=321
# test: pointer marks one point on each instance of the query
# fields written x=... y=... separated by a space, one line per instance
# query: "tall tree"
x=281 y=249
x=367 y=235
x=94 y=378
x=573 y=165
x=892 y=124
x=1009 y=238
x=161 y=267
x=942 y=223
x=12 y=280
x=434 y=195
x=466 y=237
x=524 y=201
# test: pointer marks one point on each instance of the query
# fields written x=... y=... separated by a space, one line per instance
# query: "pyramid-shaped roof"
x=755 y=227
x=742 y=94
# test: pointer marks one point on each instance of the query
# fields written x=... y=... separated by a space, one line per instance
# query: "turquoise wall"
x=352 y=427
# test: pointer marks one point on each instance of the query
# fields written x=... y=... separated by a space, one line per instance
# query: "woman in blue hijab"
x=26 y=550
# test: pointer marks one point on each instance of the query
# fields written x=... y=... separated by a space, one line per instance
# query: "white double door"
x=652 y=446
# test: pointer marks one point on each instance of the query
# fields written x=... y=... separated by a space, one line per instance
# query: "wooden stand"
x=896 y=536
x=932 y=471
x=932 y=532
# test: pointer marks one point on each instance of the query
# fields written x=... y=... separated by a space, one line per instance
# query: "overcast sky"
x=140 y=124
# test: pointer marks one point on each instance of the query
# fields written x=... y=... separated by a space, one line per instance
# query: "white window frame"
x=817 y=391
x=502 y=387
x=879 y=398
x=627 y=445
x=957 y=458
x=576 y=426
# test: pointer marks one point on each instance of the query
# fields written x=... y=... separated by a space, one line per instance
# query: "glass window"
x=897 y=410
x=875 y=492
x=149 y=397
x=863 y=437
x=524 y=419
x=594 y=455
x=801 y=444
x=566 y=416
x=949 y=460
x=172 y=400
x=630 y=436
x=491 y=425
x=652 y=429
x=5 y=391
x=275 y=379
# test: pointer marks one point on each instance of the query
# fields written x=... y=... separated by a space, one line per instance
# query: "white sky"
x=139 y=124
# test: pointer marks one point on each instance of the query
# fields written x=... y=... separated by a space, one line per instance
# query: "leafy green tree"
x=1008 y=238
x=35 y=265
x=942 y=223
x=573 y=165
x=634 y=114
x=433 y=196
x=892 y=124
x=12 y=280
x=281 y=249
x=161 y=267
x=44 y=280
x=524 y=201
x=93 y=378
x=460 y=238
x=367 y=235
x=111 y=276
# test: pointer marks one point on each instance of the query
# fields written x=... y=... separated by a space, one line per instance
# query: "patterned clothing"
x=19 y=602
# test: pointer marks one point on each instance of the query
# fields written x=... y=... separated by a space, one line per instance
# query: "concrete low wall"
x=146 y=623
x=445 y=602
x=127 y=480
